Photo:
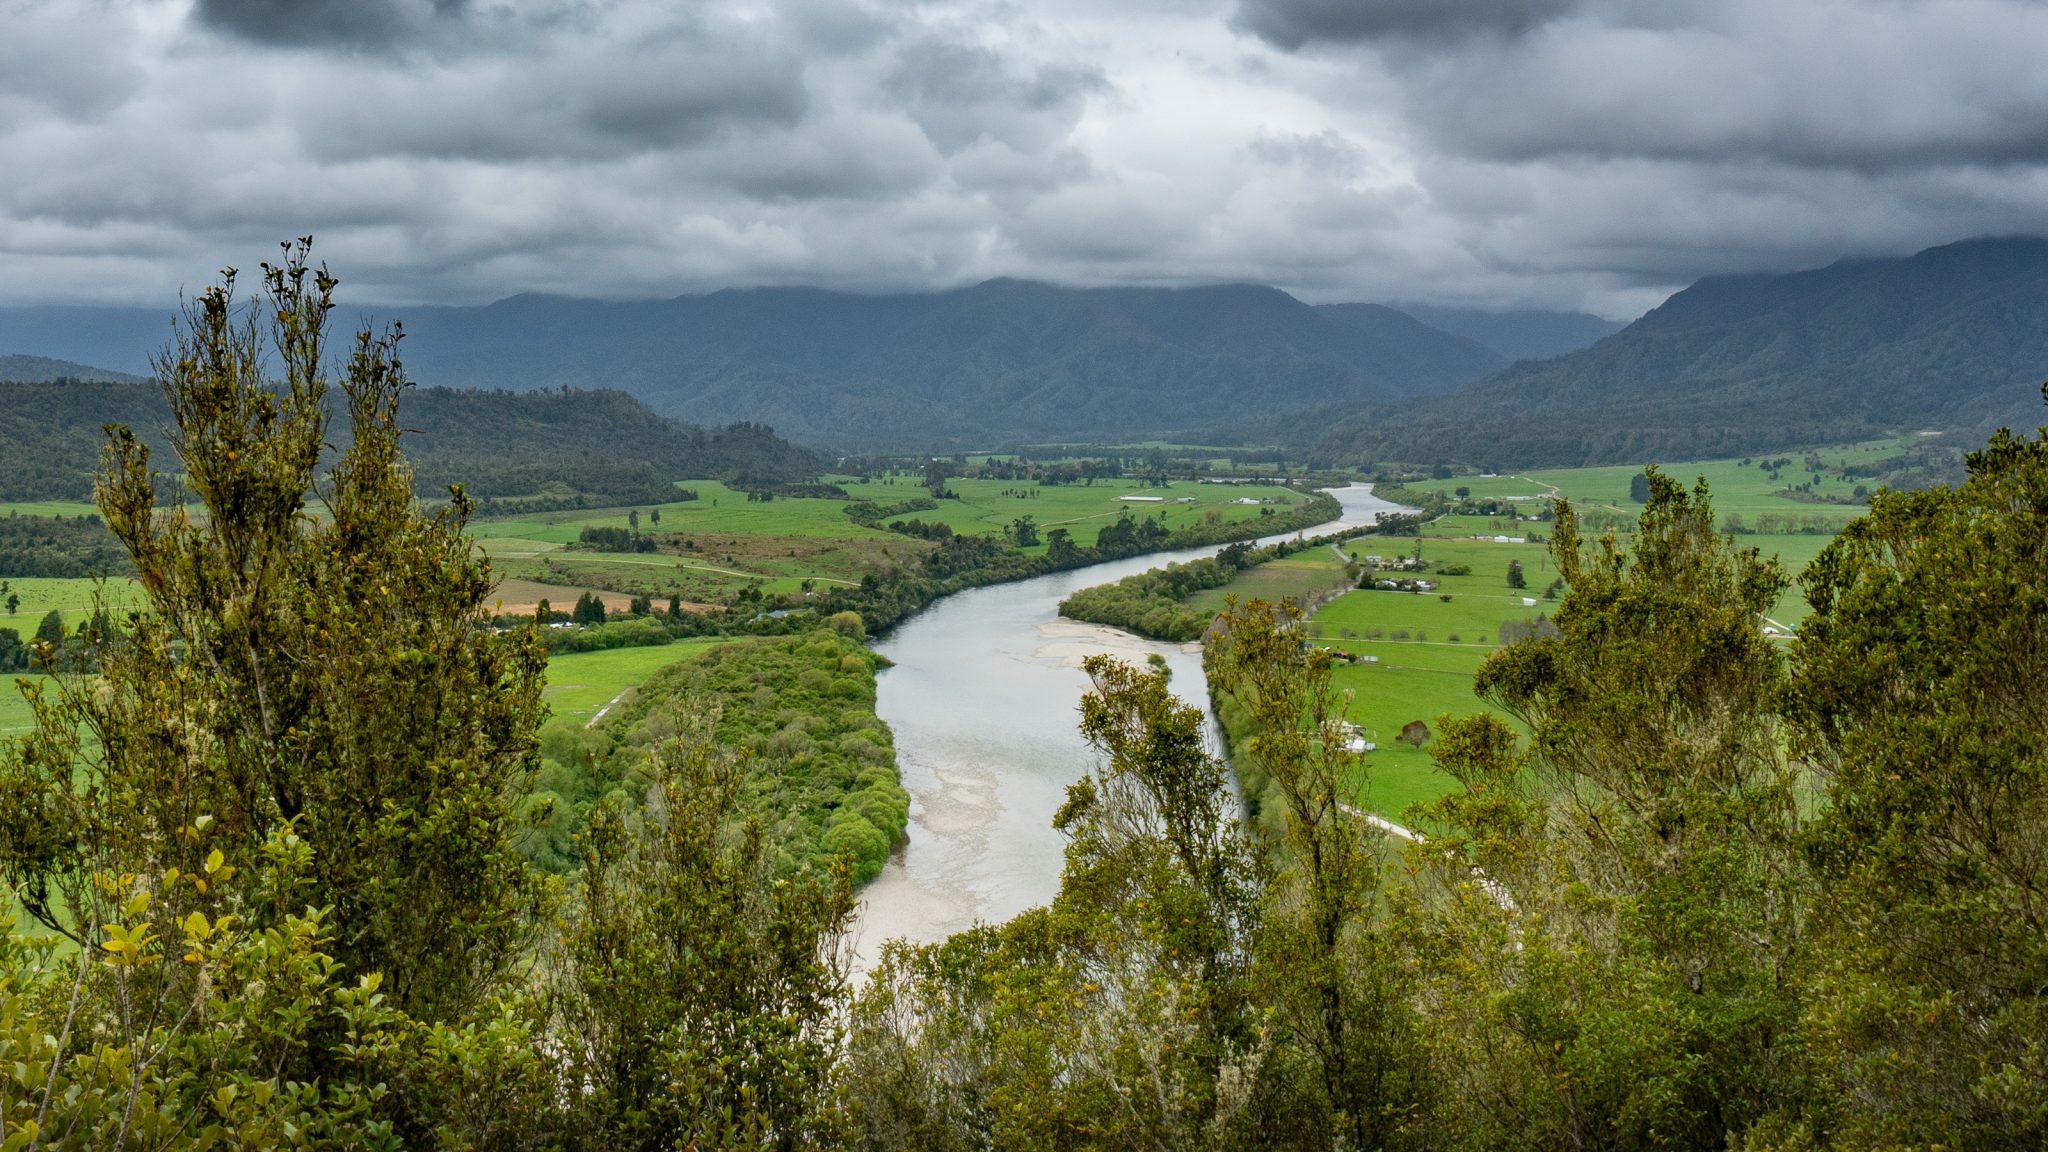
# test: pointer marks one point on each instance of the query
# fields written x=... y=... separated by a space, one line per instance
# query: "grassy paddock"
x=580 y=683
x=68 y=508
x=727 y=541
x=1297 y=578
x=1427 y=649
x=15 y=717
x=72 y=598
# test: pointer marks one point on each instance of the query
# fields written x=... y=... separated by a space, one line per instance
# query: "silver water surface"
x=984 y=697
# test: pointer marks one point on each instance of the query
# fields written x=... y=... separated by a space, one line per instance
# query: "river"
x=983 y=697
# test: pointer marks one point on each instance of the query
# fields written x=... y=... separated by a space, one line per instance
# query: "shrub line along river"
x=984 y=697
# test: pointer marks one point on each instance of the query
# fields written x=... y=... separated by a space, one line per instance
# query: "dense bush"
x=823 y=777
x=59 y=546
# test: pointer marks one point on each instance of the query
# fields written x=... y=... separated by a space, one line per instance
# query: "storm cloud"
x=1561 y=153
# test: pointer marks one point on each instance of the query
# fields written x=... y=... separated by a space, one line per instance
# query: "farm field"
x=1298 y=578
x=1428 y=648
x=72 y=598
x=48 y=508
x=1736 y=487
x=15 y=717
x=581 y=683
x=786 y=543
x=1743 y=496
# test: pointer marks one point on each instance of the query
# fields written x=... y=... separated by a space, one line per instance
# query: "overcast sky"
x=1591 y=154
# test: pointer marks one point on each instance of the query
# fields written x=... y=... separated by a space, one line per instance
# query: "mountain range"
x=41 y=369
x=1953 y=338
x=1002 y=361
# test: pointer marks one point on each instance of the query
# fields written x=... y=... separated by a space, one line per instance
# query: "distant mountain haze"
x=42 y=369
x=1001 y=361
x=1523 y=334
x=1953 y=338
x=120 y=339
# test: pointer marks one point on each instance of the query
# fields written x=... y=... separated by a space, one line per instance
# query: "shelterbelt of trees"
x=961 y=562
x=1723 y=896
x=61 y=546
x=1150 y=603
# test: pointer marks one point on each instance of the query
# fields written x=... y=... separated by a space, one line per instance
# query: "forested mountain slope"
x=499 y=443
x=1520 y=334
x=1955 y=337
x=1001 y=361
x=1004 y=360
x=43 y=368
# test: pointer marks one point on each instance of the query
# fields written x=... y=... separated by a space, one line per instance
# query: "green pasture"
x=718 y=510
x=1297 y=577
x=73 y=598
x=48 y=508
x=1736 y=487
x=1427 y=649
x=987 y=506
x=15 y=717
x=787 y=541
x=983 y=506
x=580 y=683
x=1384 y=697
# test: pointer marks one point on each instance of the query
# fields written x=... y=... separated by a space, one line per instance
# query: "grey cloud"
x=322 y=23
x=841 y=158
x=1324 y=153
x=960 y=93
x=591 y=102
x=1891 y=86
x=1564 y=153
x=1293 y=24
x=52 y=65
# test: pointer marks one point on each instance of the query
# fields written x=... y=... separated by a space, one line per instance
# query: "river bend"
x=984 y=698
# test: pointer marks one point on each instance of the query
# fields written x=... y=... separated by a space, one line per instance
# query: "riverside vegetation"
x=1723 y=895
x=1154 y=603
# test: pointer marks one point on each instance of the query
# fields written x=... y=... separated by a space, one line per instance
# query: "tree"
x=589 y=609
x=1328 y=974
x=1515 y=577
x=654 y=515
x=279 y=816
x=1639 y=488
x=1612 y=953
x=51 y=629
x=633 y=520
x=701 y=993
x=1059 y=547
x=1023 y=532
x=1919 y=701
x=333 y=674
x=1120 y=1015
